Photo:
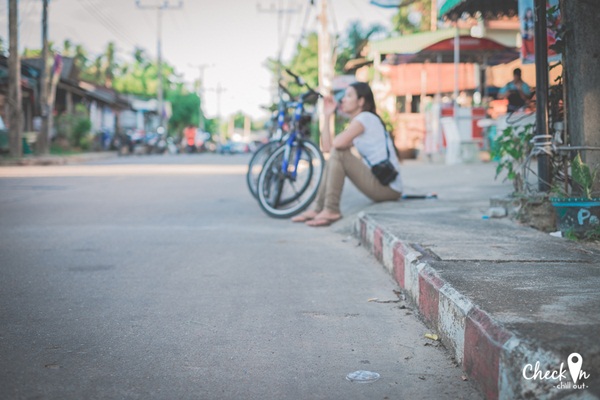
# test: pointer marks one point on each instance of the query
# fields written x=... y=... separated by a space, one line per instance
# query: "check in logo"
x=574 y=361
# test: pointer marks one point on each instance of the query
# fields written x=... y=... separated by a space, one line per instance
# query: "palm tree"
x=80 y=57
x=67 y=48
x=110 y=65
x=97 y=69
x=139 y=55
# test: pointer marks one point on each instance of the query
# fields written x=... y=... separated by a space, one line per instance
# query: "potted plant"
x=577 y=204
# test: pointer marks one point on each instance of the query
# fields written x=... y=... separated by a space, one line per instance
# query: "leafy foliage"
x=352 y=45
x=75 y=128
x=412 y=17
x=513 y=148
x=185 y=111
x=583 y=177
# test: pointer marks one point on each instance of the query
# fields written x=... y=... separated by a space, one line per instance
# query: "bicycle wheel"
x=285 y=193
x=256 y=165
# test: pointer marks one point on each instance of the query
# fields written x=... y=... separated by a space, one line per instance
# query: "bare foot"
x=305 y=216
x=324 y=218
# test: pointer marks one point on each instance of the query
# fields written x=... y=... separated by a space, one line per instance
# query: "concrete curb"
x=492 y=356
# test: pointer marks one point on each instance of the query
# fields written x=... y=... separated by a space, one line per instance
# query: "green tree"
x=137 y=77
x=355 y=39
x=211 y=125
x=80 y=57
x=186 y=108
x=98 y=75
x=239 y=119
x=304 y=63
x=110 y=65
x=67 y=48
x=413 y=16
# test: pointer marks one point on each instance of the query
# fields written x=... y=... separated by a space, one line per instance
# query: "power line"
x=279 y=11
x=26 y=15
x=95 y=12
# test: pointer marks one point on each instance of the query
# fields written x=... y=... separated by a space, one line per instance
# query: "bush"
x=74 y=128
x=81 y=133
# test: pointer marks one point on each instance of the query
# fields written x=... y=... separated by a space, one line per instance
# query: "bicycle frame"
x=299 y=110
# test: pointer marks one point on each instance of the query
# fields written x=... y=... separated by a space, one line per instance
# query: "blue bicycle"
x=278 y=135
x=290 y=177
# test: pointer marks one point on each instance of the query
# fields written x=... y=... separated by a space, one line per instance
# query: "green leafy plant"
x=583 y=177
x=589 y=235
x=580 y=182
x=513 y=147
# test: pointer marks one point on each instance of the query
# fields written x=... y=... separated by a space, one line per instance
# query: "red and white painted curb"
x=492 y=356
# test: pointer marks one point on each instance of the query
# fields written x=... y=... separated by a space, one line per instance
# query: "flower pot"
x=577 y=215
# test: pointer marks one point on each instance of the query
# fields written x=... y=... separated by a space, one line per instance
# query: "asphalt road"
x=159 y=277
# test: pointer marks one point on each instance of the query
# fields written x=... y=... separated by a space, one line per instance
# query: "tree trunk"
x=581 y=58
x=15 y=102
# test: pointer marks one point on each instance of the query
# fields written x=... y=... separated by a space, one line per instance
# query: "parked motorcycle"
x=156 y=142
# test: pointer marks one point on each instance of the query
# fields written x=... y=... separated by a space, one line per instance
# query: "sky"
x=232 y=38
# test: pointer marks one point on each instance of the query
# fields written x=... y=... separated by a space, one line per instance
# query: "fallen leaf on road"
x=432 y=336
x=464 y=378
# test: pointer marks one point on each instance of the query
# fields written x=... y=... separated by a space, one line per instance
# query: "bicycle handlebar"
x=301 y=82
x=298 y=80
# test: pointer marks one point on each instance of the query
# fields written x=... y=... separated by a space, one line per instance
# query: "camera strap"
x=387 y=149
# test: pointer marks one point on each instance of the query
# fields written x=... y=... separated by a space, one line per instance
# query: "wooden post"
x=15 y=96
x=325 y=64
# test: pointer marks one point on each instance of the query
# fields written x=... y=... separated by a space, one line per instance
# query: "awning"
x=482 y=51
x=411 y=44
x=454 y=9
x=403 y=47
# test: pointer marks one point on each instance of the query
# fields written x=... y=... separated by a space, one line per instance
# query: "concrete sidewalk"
x=503 y=297
x=58 y=159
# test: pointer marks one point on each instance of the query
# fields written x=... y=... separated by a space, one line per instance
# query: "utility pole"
x=43 y=141
x=201 y=69
x=325 y=62
x=218 y=91
x=14 y=82
x=159 y=8
x=280 y=11
x=542 y=140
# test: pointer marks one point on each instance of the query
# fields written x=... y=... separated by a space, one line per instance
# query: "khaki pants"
x=341 y=164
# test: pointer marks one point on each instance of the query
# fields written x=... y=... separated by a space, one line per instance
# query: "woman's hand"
x=329 y=105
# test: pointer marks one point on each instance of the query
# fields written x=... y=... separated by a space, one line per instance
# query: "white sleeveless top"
x=371 y=145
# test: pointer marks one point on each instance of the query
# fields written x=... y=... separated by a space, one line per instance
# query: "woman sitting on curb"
x=367 y=133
